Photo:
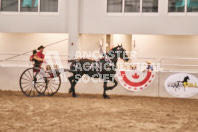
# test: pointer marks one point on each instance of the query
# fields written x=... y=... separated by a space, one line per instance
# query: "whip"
x=31 y=50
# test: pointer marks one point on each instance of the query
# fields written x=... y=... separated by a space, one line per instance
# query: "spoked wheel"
x=27 y=83
x=40 y=82
x=53 y=86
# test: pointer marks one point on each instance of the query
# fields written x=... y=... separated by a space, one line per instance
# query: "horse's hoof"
x=75 y=96
x=106 y=97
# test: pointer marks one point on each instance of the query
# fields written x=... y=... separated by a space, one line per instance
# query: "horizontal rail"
x=31 y=50
x=28 y=54
x=17 y=61
x=30 y=61
x=179 y=65
x=175 y=58
x=146 y=58
x=159 y=60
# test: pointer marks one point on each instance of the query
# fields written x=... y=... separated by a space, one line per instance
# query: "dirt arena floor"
x=88 y=113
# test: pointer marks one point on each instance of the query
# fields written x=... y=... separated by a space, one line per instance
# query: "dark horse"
x=102 y=68
x=178 y=84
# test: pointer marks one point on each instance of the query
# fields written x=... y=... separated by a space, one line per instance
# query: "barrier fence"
x=162 y=64
x=165 y=69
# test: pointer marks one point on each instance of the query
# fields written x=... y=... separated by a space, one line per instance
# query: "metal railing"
x=8 y=54
x=176 y=64
x=157 y=62
x=159 y=74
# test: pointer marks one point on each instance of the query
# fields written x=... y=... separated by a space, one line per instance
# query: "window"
x=176 y=5
x=29 y=6
x=49 y=6
x=150 y=6
x=183 y=6
x=192 y=6
x=132 y=6
x=114 y=5
x=9 y=5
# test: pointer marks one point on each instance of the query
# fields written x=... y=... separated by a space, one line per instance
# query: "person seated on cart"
x=37 y=60
x=38 y=57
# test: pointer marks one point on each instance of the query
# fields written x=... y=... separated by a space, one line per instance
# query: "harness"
x=97 y=63
x=105 y=56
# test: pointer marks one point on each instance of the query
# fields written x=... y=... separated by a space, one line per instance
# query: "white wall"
x=18 y=43
x=94 y=20
x=162 y=46
x=152 y=46
x=90 y=42
x=12 y=74
x=37 y=23
x=121 y=39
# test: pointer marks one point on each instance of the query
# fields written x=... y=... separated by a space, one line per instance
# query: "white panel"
x=35 y=23
x=95 y=20
x=17 y=43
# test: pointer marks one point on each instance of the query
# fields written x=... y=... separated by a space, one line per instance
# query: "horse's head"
x=187 y=78
x=121 y=52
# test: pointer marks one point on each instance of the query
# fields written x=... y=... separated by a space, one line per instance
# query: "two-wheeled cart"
x=36 y=81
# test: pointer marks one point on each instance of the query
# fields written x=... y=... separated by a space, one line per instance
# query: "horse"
x=178 y=84
x=103 y=68
x=185 y=82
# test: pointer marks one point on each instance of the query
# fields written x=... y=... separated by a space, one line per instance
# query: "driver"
x=38 y=58
x=40 y=53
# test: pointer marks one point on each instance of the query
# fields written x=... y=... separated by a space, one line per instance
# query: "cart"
x=36 y=81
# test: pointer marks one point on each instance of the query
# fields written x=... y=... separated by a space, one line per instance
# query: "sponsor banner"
x=134 y=80
x=182 y=85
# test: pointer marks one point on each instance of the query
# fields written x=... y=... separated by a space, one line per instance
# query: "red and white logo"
x=135 y=80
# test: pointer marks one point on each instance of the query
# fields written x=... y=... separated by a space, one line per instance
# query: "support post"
x=73 y=28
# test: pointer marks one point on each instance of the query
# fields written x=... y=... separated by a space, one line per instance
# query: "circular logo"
x=135 y=80
x=182 y=85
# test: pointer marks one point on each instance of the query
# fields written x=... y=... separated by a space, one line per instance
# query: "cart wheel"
x=53 y=86
x=40 y=81
x=27 y=83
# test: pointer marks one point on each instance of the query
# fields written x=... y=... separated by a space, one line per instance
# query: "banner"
x=182 y=85
x=134 y=80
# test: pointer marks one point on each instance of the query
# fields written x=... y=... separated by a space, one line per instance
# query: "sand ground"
x=90 y=113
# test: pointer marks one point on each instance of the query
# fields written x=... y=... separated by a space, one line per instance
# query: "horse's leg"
x=76 y=79
x=71 y=82
x=177 y=86
x=174 y=88
x=104 y=93
x=109 y=88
